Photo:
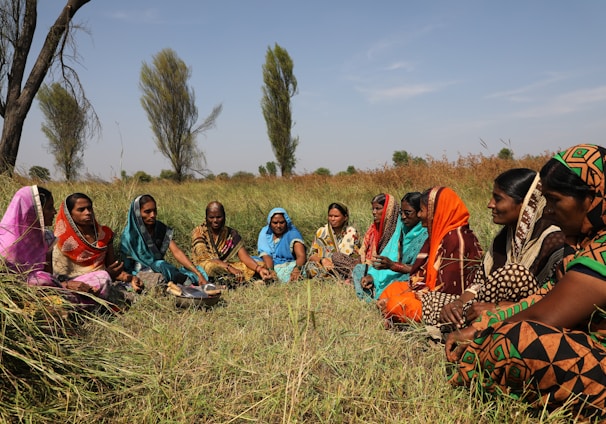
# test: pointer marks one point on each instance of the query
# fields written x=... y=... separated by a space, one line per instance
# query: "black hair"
x=70 y=201
x=516 y=182
x=146 y=198
x=379 y=198
x=341 y=208
x=560 y=178
x=413 y=199
x=217 y=205
x=425 y=197
x=44 y=195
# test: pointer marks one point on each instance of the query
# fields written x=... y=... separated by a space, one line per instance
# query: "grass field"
x=286 y=353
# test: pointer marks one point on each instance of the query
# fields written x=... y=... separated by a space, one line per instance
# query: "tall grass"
x=303 y=352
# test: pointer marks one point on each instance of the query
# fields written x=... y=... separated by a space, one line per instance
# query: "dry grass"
x=304 y=352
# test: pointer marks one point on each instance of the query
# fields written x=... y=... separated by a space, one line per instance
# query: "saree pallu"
x=523 y=257
x=327 y=244
x=404 y=247
x=205 y=250
x=142 y=251
x=377 y=236
x=74 y=258
x=375 y=240
x=23 y=245
x=281 y=250
x=82 y=256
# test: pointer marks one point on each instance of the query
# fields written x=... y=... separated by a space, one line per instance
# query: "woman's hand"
x=115 y=269
x=476 y=309
x=367 y=282
x=137 y=284
x=78 y=286
x=382 y=262
x=134 y=281
x=327 y=264
x=235 y=272
x=264 y=273
x=273 y=275
x=315 y=258
x=295 y=274
x=453 y=313
x=457 y=342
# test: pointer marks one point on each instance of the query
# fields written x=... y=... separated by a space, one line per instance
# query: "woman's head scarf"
x=587 y=162
x=22 y=241
x=445 y=212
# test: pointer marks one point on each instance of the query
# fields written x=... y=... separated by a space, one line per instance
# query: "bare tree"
x=280 y=86
x=170 y=104
x=18 y=19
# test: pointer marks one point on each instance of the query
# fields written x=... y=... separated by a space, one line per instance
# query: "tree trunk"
x=11 y=135
x=18 y=101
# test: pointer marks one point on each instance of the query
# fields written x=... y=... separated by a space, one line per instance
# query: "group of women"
x=526 y=317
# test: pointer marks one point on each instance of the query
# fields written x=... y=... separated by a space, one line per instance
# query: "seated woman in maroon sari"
x=444 y=267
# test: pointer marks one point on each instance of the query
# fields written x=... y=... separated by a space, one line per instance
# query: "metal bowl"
x=194 y=297
x=196 y=302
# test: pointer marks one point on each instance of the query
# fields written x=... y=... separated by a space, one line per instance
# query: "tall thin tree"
x=66 y=126
x=280 y=86
x=170 y=105
x=18 y=20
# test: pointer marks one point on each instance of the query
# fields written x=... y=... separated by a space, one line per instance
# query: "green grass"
x=286 y=353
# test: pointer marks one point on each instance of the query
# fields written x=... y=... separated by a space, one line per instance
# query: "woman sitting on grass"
x=84 y=247
x=552 y=346
x=396 y=258
x=25 y=244
x=446 y=263
x=522 y=257
x=281 y=246
x=220 y=250
x=386 y=222
x=145 y=241
x=336 y=237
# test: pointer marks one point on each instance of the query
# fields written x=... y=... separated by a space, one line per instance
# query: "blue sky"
x=433 y=78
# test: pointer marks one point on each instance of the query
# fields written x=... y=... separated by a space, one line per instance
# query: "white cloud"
x=567 y=103
x=400 y=92
x=517 y=94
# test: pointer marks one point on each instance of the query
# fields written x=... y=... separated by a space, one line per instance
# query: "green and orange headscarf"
x=587 y=162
